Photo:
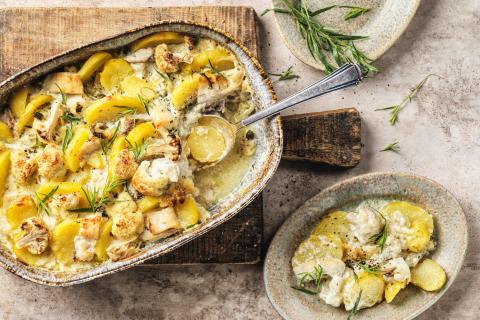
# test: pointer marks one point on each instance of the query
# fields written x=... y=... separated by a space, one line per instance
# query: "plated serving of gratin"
x=360 y=255
x=104 y=157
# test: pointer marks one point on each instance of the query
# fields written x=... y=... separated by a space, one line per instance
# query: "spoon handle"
x=346 y=76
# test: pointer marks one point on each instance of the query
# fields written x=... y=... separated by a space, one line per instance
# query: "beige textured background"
x=438 y=135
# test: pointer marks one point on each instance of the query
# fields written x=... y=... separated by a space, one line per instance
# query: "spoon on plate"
x=346 y=76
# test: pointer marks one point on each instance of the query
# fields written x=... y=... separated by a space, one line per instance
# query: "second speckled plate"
x=450 y=230
x=383 y=25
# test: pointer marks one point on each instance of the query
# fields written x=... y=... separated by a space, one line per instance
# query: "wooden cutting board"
x=29 y=35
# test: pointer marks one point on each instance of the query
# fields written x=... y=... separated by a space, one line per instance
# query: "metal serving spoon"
x=344 y=77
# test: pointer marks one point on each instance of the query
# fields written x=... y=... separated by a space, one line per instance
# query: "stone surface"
x=438 y=135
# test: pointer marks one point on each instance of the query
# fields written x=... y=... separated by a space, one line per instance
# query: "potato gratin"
x=102 y=158
x=357 y=258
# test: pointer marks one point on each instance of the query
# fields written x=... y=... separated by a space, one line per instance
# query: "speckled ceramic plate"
x=267 y=157
x=383 y=25
x=450 y=231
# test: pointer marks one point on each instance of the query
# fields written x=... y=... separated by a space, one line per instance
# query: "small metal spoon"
x=344 y=77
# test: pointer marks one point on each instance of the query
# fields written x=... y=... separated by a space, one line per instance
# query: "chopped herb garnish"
x=137 y=149
x=285 y=75
x=38 y=143
x=97 y=199
x=210 y=84
x=70 y=117
x=322 y=40
x=310 y=292
x=381 y=237
x=395 y=109
x=145 y=102
x=107 y=144
x=355 y=310
x=67 y=137
x=161 y=74
x=42 y=202
x=315 y=275
x=214 y=70
x=64 y=97
x=354 y=12
x=127 y=110
x=391 y=147
x=369 y=269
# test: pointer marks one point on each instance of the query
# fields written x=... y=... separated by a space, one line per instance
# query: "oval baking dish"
x=264 y=164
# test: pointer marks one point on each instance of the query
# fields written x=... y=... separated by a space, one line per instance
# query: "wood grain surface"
x=29 y=35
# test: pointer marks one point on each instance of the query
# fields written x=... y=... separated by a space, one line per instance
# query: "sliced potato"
x=219 y=58
x=316 y=247
x=66 y=82
x=372 y=288
x=22 y=208
x=336 y=223
x=96 y=160
x=206 y=144
x=147 y=203
x=63 y=188
x=135 y=87
x=110 y=107
x=93 y=64
x=418 y=241
x=27 y=117
x=412 y=212
x=118 y=145
x=114 y=71
x=141 y=132
x=4 y=171
x=18 y=102
x=155 y=39
x=63 y=246
x=392 y=289
x=429 y=275
x=5 y=132
x=186 y=91
x=187 y=212
x=104 y=240
x=72 y=154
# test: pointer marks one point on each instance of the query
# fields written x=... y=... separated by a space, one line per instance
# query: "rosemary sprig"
x=310 y=292
x=322 y=40
x=355 y=310
x=354 y=12
x=127 y=110
x=315 y=276
x=67 y=137
x=42 y=202
x=70 y=117
x=64 y=97
x=97 y=199
x=107 y=144
x=395 y=109
x=164 y=76
x=285 y=75
x=137 y=149
x=368 y=269
x=214 y=70
x=391 y=147
x=381 y=237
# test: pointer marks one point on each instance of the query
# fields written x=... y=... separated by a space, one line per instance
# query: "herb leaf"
x=42 y=202
x=285 y=75
x=64 y=97
x=137 y=149
x=107 y=144
x=67 y=137
x=395 y=109
x=355 y=310
x=354 y=12
x=315 y=276
x=97 y=199
x=369 y=269
x=381 y=237
x=310 y=292
x=391 y=147
x=127 y=110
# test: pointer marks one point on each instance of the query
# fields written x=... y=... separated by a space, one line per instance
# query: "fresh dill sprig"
x=285 y=75
x=42 y=202
x=137 y=148
x=391 y=147
x=126 y=110
x=64 y=97
x=395 y=109
x=315 y=276
x=97 y=199
x=107 y=144
x=354 y=12
x=310 y=292
x=381 y=237
x=355 y=310
x=322 y=40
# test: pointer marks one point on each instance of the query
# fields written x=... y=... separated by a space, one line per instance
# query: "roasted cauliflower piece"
x=50 y=163
x=87 y=149
x=141 y=55
x=23 y=167
x=215 y=87
x=152 y=177
x=123 y=205
x=170 y=147
x=165 y=60
x=119 y=250
x=61 y=203
x=160 y=224
x=87 y=237
x=34 y=236
x=46 y=128
x=124 y=164
x=66 y=82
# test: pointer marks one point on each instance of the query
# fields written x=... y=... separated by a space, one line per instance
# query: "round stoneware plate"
x=383 y=24
x=450 y=232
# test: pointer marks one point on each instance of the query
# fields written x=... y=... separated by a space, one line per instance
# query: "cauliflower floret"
x=165 y=60
x=152 y=177
x=123 y=205
x=396 y=270
x=160 y=224
x=124 y=164
x=75 y=103
x=170 y=147
x=68 y=82
x=46 y=128
x=218 y=87
x=86 y=150
x=35 y=236
x=50 y=163
x=23 y=167
x=87 y=238
x=61 y=203
x=365 y=224
x=141 y=55
x=127 y=225
x=119 y=250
